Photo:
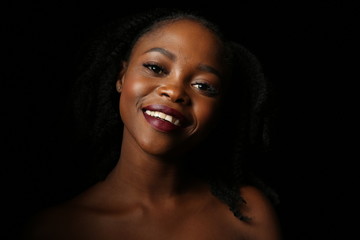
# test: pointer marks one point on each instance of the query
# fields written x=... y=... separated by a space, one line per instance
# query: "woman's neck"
x=148 y=176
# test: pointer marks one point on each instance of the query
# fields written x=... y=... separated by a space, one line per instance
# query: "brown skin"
x=147 y=196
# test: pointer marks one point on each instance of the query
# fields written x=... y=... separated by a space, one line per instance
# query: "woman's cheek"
x=207 y=113
x=131 y=93
x=135 y=87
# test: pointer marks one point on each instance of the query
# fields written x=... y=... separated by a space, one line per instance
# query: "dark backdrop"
x=306 y=51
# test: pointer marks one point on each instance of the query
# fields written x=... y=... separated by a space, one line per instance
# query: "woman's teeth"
x=163 y=116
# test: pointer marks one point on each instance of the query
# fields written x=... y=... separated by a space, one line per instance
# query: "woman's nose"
x=174 y=93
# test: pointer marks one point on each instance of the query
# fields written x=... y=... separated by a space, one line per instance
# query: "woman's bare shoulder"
x=264 y=223
x=46 y=224
x=58 y=220
x=53 y=222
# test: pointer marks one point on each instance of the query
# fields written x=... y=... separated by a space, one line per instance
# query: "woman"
x=175 y=111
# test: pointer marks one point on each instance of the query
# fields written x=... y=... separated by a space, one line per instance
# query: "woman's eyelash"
x=207 y=88
x=155 y=68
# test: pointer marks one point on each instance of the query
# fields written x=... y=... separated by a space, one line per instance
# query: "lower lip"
x=159 y=124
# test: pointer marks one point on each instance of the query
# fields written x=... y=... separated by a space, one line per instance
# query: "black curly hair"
x=226 y=155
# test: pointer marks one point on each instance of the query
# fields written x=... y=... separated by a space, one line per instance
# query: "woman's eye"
x=155 y=68
x=207 y=88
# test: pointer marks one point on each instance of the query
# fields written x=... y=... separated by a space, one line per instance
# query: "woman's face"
x=171 y=88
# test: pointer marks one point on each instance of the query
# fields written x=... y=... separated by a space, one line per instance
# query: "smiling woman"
x=174 y=111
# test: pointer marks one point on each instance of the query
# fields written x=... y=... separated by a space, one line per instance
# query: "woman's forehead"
x=186 y=26
x=183 y=38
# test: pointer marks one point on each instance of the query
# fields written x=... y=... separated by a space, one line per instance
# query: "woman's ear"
x=120 y=79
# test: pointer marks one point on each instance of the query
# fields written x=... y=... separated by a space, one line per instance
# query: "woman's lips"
x=164 y=118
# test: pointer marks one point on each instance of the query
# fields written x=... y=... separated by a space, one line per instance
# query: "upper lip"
x=168 y=111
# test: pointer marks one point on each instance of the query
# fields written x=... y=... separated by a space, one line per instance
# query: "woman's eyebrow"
x=171 y=56
x=210 y=69
x=164 y=52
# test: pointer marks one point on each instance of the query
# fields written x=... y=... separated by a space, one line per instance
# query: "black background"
x=306 y=50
